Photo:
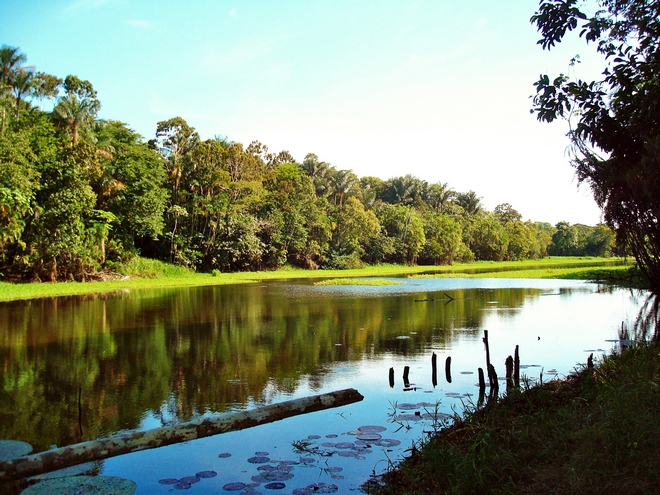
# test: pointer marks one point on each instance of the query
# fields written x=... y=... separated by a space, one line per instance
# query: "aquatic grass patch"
x=358 y=281
x=597 y=431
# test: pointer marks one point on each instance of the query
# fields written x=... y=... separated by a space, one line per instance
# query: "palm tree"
x=440 y=195
x=11 y=59
x=470 y=202
x=22 y=84
x=76 y=114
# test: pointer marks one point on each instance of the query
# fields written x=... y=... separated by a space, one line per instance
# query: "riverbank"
x=596 y=432
x=150 y=274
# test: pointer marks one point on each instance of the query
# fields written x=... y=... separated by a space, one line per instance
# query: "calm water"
x=149 y=358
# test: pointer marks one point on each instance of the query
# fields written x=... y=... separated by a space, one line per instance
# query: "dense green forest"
x=79 y=194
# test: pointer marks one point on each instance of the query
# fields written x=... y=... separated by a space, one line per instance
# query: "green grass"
x=143 y=273
x=358 y=281
x=596 y=432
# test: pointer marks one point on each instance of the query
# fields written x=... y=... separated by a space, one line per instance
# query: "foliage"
x=80 y=197
x=614 y=121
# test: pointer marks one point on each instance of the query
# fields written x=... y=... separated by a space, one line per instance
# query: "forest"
x=79 y=194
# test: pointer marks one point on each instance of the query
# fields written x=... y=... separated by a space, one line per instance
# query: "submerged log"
x=95 y=450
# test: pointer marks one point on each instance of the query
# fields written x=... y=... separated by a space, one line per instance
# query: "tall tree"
x=614 y=122
x=76 y=111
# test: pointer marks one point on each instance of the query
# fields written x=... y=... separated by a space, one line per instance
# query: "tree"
x=11 y=60
x=614 y=122
x=470 y=202
x=443 y=239
x=76 y=111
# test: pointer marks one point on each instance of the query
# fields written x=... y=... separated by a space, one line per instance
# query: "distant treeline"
x=78 y=194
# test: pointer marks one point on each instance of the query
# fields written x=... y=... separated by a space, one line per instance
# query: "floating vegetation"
x=83 y=485
x=258 y=459
x=359 y=281
x=11 y=449
x=275 y=485
x=168 y=481
x=224 y=455
x=206 y=474
x=235 y=486
x=70 y=471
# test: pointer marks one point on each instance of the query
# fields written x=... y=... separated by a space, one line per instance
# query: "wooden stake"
x=406 y=370
x=485 y=340
x=391 y=377
x=508 y=364
x=516 y=368
x=482 y=381
x=434 y=370
x=448 y=369
x=51 y=460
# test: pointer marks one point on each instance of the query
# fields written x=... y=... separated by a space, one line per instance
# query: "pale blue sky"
x=438 y=89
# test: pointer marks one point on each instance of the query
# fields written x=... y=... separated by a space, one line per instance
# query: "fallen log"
x=51 y=460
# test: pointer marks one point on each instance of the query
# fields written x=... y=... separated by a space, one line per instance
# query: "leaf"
x=83 y=485
x=10 y=449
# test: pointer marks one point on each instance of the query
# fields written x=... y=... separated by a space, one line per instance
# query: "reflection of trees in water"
x=645 y=326
x=177 y=354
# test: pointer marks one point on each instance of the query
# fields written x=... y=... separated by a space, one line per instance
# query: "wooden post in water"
x=482 y=381
x=51 y=460
x=508 y=364
x=448 y=369
x=516 y=368
x=492 y=377
x=434 y=370
x=391 y=377
x=482 y=388
x=590 y=361
x=406 y=382
x=485 y=341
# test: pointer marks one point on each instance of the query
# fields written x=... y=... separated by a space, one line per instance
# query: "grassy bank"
x=596 y=432
x=150 y=274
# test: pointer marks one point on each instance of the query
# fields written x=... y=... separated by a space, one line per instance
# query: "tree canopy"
x=615 y=120
x=79 y=194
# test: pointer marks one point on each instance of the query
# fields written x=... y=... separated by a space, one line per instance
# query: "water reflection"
x=163 y=356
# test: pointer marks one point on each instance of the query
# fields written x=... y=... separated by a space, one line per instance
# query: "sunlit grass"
x=143 y=273
x=359 y=281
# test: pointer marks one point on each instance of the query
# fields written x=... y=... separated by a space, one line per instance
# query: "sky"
x=437 y=89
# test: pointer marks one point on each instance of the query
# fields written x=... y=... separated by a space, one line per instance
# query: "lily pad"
x=258 y=459
x=370 y=437
x=372 y=429
x=11 y=449
x=206 y=474
x=64 y=472
x=83 y=485
x=276 y=485
x=237 y=485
